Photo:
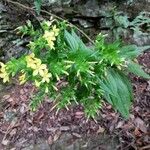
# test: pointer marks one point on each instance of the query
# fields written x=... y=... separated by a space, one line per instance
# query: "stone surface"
x=41 y=145
x=56 y=2
x=68 y=142
x=9 y=47
x=141 y=40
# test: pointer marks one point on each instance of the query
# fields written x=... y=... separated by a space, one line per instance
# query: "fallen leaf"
x=120 y=124
x=137 y=132
x=22 y=92
x=100 y=130
x=51 y=129
x=13 y=132
x=79 y=113
x=5 y=97
x=13 y=148
x=10 y=99
x=5 y=142
x=50 y=140
x=140 y=124
x=57 y=135
x=64 y=128
x=76 y=135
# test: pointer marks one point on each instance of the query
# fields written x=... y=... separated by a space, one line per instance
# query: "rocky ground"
x=21 y=129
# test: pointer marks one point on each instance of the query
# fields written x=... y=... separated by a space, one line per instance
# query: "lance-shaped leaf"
x=132 y=51
x=76 y=44
x=117 y=91
x=137 y=69
x=72 y=42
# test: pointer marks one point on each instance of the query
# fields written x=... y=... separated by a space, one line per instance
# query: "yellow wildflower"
x=50 y=38
x=51 y=44
x=31 y=64
x=22 y=78
x=3 y=73
x=36 y=65
x=46 y=76
x=31 y=61
x=3 y=66
x=37 y=83
x=31 y=56
x=48 y=23
x=40 y=68
x=37 y=61
x=55 y=30
x=4 y=76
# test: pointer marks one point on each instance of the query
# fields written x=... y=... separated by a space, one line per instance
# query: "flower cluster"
x=22 y=78
x=3 y=73
x=38 y=69
x=50 y=36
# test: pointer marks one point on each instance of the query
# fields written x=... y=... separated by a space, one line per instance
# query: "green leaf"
x=16 y=65
x=77 y=45
x=91 y=106
x=38 y=4
x=72 y=42
x=132 y=51
x=137 y=69
x=80 y=42
x=129 y=51
x=117 y=91
x=37 y=100
x=144 y=48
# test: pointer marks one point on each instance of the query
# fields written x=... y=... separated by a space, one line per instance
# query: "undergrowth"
x=89 y=76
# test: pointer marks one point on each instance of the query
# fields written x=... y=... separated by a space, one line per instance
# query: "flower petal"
x=35 y=72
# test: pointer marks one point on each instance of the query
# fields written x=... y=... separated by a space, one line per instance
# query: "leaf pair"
x=76 y=43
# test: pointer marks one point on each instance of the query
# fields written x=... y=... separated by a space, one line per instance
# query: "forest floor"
x=47 y=129
x=19 y=127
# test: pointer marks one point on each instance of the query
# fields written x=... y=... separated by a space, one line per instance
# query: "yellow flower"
x=40 y=68
x=22 y=78
x=4 y=76
x=46 y=76
x=48 y=23
x=31 y=63
x=37 y=83
x=3 y=73
x=3 y=66
x=55 y=30
x=35 y=63
x=50 y=38
x=51 y=44
x=31 y=56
